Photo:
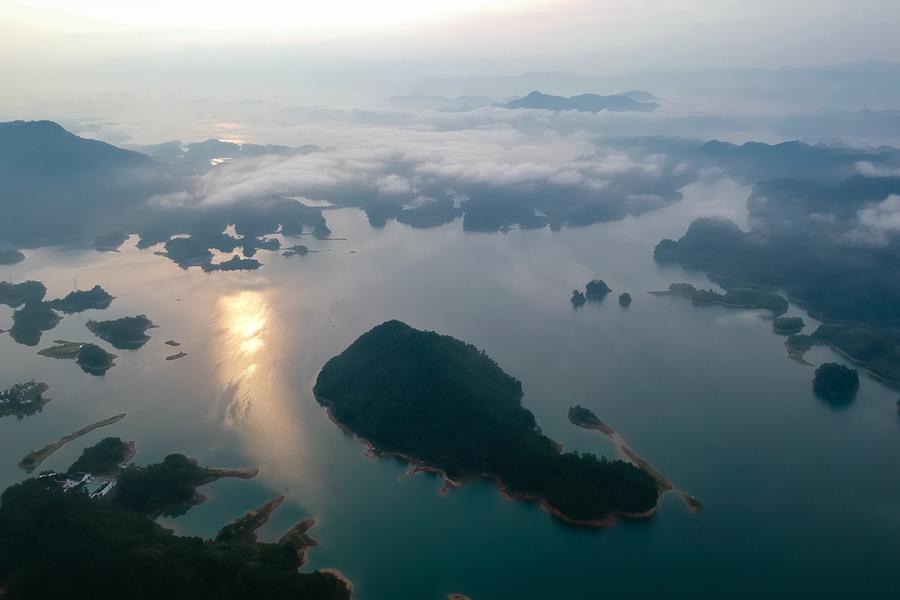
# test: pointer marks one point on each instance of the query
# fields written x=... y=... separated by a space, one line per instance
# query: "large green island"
x=446 y=406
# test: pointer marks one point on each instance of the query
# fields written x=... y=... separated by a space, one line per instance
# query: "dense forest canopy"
x=444 y=402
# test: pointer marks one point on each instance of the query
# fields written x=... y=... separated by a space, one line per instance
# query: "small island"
x=297 y=250
x=788 y=325
x=92 y=359
x=732 y=298
x=10 y=257
x=797 y=346
x=31 y=321
x=80 y=301
x=596 y=290
x=624 y=299
x=578 y=298
x=23 y=399
x=834 y=381
x=127 y=333
x=445 y=406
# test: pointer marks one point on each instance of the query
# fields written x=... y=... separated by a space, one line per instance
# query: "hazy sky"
x=595 y=35
x=95 y=58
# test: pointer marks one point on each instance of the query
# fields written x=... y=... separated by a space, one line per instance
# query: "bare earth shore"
x=626 y=453
x=34 y=458
x=418 y=466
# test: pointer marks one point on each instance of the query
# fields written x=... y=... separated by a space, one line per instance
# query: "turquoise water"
x=801 y=500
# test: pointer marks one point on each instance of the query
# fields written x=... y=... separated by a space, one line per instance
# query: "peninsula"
x=732 y=298
x=586 y=419
x=34 y=458
x=79 y=301
x=446 y=406
x=170 y=487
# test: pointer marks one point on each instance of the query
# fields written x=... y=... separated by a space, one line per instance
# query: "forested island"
x=733 y=298
x=23 y=399
x=79 y=301
x=596 y=289
x=578 y=298
x=445 y=405
x=31 y=321
x=836 y=382
x=788 y=325
x=127 y=333
x=625 y=299
x=91 y=358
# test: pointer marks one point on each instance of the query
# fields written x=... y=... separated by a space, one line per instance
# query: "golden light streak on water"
x=260 y=406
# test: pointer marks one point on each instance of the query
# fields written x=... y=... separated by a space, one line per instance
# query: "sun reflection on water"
x=256 y=402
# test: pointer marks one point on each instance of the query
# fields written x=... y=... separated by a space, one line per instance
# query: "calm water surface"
x=801 y=500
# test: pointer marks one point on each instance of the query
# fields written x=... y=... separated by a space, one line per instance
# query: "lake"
x=801 y=499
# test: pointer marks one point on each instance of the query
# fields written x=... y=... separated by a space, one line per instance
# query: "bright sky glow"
x=273 y=15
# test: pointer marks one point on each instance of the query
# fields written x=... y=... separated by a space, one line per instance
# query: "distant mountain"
x=213 y=151
x=53 y=182
x=41 y=146
x=583 y=102
x=438 y=103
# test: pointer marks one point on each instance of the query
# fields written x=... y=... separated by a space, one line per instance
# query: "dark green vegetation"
x=877 y=349
x=836 y=382
x=10 y=257
x=15 y=295
x=625 y=299
x=196 y=250
x=66 y=545
x=584 y=417
x=435 y=399
x=596 y=289
x=296 y=250
x=799 y=343
x=31 y=321
x=103 y=457
x=78 y=301
x=788 y=325
x=583 y=102
x=578 y=298
x=91 y=358
x=23 y=399
x=734 y=298
x=127 y=333
x=236 y=263
x=169 y=487
x=110 y=242
x=823 y=243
